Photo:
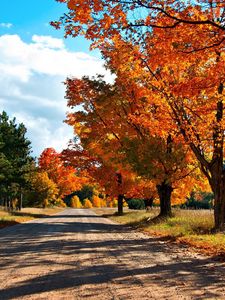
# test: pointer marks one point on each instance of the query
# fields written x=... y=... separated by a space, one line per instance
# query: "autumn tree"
x=87 y=203
x=64 y=177
x=100 y=172
x=75 y=202
x=189 y=94
x=184 y=76
x=100 y=132
x=108 y=129
x=44 y=191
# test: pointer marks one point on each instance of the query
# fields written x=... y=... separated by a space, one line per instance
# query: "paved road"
x=79 y=255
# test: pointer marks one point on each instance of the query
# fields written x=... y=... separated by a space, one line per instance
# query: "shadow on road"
x=39 y=240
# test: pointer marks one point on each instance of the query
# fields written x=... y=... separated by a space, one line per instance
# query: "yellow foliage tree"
x=75 y=202
x=96 y=201
x=87 y=203
x=60 y=202
x=44 y=189
x=103 y=203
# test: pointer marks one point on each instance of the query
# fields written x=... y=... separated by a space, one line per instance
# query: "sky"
x=35 y=60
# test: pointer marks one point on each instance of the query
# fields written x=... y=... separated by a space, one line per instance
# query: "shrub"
x=114 y=202
x=87 y=203
x=45 y=203
x=136 y=203
x=59 y=202
x=96 y=201
x=75 y=202
x=103 y=203
x=200 y=200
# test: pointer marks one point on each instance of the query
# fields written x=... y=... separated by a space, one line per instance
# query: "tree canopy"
x=169 y=57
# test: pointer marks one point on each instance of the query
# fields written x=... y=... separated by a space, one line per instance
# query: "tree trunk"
x=4 y=202
x=120 y=196
x=218 y=187
x=120 y=205
x=164 y=191
x=148 y=203
x=20 y=202
x=217 y=180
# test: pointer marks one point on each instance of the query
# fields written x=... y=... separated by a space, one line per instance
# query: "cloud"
x=45 y=55
x=48 y=41
x=46 y=134
x=6 y=25
x=31 y=85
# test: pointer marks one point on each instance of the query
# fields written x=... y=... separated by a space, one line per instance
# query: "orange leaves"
x=169 y=63
x=63 y=176
x=71 y=4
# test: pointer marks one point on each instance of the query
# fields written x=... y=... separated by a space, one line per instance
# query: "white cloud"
x=6 y=25
x=45 y=55
x=45 y=134
x=31 y=88
x=48 y=41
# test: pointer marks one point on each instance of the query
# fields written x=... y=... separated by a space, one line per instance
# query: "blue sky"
x=34 y=61
x=29 y=17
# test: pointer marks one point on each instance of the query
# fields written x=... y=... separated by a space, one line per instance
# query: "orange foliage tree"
x=101 y=171
x=63 y=176
x=176 y=54
x=107 y=128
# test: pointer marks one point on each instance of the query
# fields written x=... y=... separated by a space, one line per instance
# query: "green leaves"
x=14 y=154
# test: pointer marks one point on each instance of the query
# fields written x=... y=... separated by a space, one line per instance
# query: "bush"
x=103 y=203
x=96 y=201
x=75 y=202
x=87 y=203
x=85 y=193
x=200 y=200
x=59 y=202
x=136 y=203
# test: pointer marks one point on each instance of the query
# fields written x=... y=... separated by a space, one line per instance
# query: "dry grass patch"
x=191 y=227
x=27 y=214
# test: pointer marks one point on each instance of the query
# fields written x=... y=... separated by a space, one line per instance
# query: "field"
x=190 y=227
x=8 y=219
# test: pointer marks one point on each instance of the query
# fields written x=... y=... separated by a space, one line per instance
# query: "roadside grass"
x=27 y=214
x=190 y=227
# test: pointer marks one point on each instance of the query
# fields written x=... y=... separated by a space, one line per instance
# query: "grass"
x=27 y=214
x=190 y=227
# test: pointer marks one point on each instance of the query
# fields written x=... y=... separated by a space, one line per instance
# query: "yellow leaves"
x=75 y=202
x=45 y=189
x=87 y=203
x=110 y=136
x=96 y=201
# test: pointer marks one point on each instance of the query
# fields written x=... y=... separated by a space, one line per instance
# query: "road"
x=76 y=254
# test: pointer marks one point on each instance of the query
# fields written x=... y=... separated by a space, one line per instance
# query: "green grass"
x=8 y=219
x=191 y=227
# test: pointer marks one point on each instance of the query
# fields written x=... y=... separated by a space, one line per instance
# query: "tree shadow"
x=164 y=275
x=43 y=239
x=34 y=215
x=6 y=223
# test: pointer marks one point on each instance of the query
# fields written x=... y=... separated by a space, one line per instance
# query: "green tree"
x=15 y=157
